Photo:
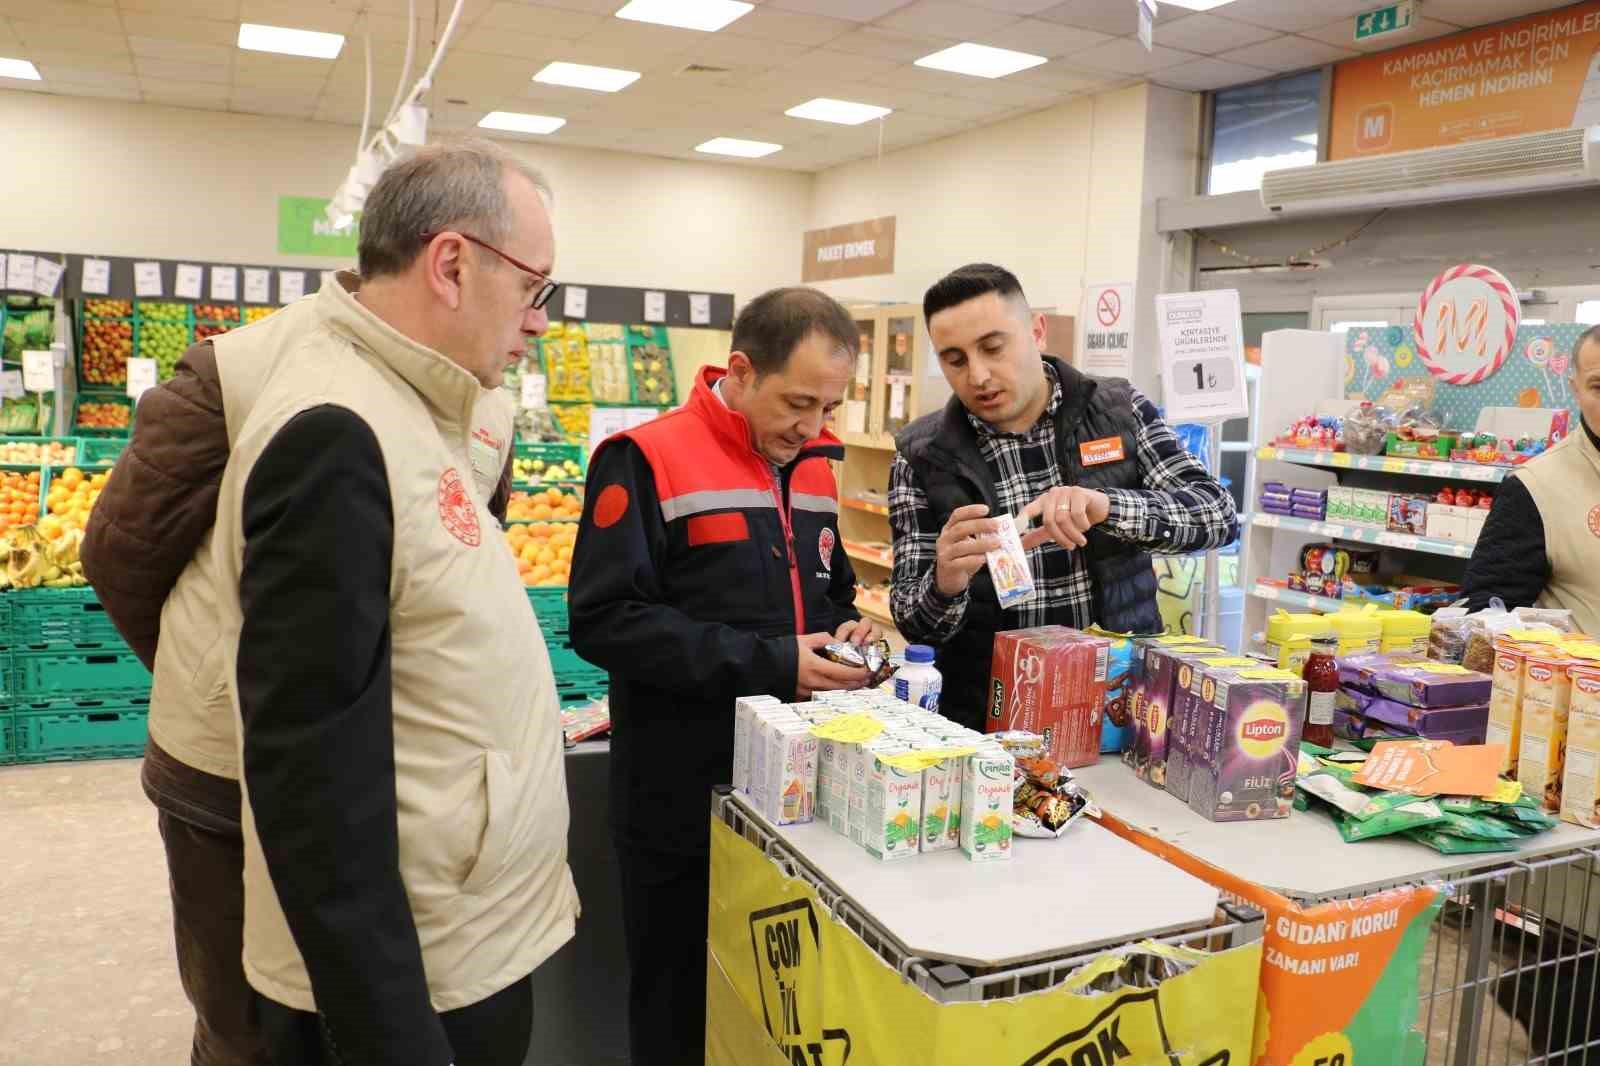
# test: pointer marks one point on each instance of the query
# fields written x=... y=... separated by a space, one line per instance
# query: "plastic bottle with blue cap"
x=918 y=682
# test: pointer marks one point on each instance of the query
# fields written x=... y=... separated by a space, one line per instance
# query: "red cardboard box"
x=1051 y=681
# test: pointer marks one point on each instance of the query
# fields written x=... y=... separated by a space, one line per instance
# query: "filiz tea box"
x=1160 y=691
x=1246 y=765
x=1187 y=719
x=1051 y=680
x=987 y=791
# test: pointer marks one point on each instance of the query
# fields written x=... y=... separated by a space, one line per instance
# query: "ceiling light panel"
x=254 y=37
x=583 y=76
x=518 y=122
x=842 y=112
x=980 y=60
x=19 y=68
x=706 y=15
x=1197 y=5
x=735 y=146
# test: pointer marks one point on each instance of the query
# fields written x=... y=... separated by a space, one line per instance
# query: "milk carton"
x=744 y=709
x=1542 y=741
x=941 y=805
x=856 y=802
x=1580 y=791
x=987 y=792
x=788 y=785
x=761 y=721
x=894 y=808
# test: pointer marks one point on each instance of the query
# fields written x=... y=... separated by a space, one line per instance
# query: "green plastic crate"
x=101 y=453
x=44 y=616
x=8 y=740
x=28 y=438
x=133 y=339
x=82 y=669
x=579 y=687
x=113 y=726
x=553 y=452
x=97 y=431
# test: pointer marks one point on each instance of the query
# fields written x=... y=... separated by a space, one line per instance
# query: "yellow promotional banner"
x=788 y=984
x=1533 y=74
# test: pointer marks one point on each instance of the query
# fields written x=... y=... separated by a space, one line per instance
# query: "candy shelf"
x=1290 y=598
x=1366 y=535
x=1386 y=464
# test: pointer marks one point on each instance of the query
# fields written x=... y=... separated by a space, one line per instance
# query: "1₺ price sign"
x=1202 y=356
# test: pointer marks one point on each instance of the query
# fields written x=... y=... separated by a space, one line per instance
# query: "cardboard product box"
x=761 y=721
x=1247 y=764
x=1542 y=742
x=1431 y=684
x=1505 y=700
x=1341 y=504
x=1164 y=669
x=941 y=805
x=988 y=789
x=893 y=827
x=1461 y=725
x=1408 y=514
x=1183 y=734
x=1371 y=508
x=1447 y=522
x=1051 y=681
x=788 y=787
x=744 y=709
x=1580 y=785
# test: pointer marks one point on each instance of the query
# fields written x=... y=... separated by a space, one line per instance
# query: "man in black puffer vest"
x=1089 y=458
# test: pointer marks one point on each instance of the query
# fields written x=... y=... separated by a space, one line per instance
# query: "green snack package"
x=1333 y=786
x=1454 y=845
x=1475 y=827
x=1411 y=817
x=1525 y=820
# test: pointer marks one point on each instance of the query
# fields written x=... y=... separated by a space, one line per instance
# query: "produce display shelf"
x=1366 y=535
x=89 y=396
x=1263 y=591
x=83 y=668
x=100 y=453
x=1386 y=464
x=45 y=616
x=8 y=742
x=540 y=486
x=551 y=452
x=112 y=726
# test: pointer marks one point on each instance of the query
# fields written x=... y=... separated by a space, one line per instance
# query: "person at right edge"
x=1025 y=433
x=1540 y=545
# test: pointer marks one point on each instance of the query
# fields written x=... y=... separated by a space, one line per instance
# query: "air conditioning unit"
x=1504 y=166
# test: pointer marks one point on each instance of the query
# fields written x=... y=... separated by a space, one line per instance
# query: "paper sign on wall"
x=189 y=280
x=225 y=284
x=533 y=390
x=257 y=285
x=38 y=371
x=655 y=306
x=1202 y=356
x=19 y=272
x=46 y=276
x=608 y=421
x=146 y=279
x=1105 y=330
x=699 y=309
x=96 y=279
x=291 y=285
x=11 y=387
x=575 y=302
x=141 y=376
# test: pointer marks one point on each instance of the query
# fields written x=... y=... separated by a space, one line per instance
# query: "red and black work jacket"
x=697 y=565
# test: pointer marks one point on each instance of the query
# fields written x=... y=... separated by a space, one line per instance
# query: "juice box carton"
x=1542 y=742
x=1580 y=789
x=1252 y=745
x=893 y=809
x=789 y=773
x=1183 y=734
x=1051 y=681
x=941 y=805
x=861 y=760
x=756 y=773
x=744 y=709
x=987 y=793
x=1161 y=688
x=827 y=769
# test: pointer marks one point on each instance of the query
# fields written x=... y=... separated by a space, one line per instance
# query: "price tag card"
x=11 y=387
x=1267 y=521
x=38 y=371
x=700 y=308
x=1476 y=473
x=575 y=302
x=141 y=376
x=1342 y=459
x=19 y=272
x=257 y=285
x=96 y=277
x=46 y=276
x=291 y=285
x=1393 y=466
x=655 y=306
x=225 y=284
x=1393 y=540
x=1202 y=356
x=533 y=390
x=146 y=280
x=187 y=285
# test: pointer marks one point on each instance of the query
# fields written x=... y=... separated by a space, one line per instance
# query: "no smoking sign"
x=1105 y=341
x=1108 y=308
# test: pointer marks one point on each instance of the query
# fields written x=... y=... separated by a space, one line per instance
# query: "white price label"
x=1393 y=540
x=257 y=285
x=1268 y=592
x=1476 y=473
x=38 y=371
x=141 y=376
x=225 y=284
x=187 y=285
x=19 y=272
x=147 y=280
x=655 y=306
x=1267 y=521
x=291 y=285
x=575 y=302
x=46 y=276
x=533 y=390
x=96 y=277
x=700 y=309
x=11 y=387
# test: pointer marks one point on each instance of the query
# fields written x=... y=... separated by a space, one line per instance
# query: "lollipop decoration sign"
x=1466 y=324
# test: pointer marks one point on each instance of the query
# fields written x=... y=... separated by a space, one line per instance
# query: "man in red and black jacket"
x=708 y=567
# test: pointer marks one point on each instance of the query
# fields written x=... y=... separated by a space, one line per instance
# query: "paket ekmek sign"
x=854 y=250
x=1537 y=73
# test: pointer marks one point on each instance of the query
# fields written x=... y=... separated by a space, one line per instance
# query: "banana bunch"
x=33 y=561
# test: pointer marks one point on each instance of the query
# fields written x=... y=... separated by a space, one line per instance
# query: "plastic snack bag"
x=1008 y=565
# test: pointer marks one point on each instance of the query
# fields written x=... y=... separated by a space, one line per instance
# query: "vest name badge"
x=1099 y=452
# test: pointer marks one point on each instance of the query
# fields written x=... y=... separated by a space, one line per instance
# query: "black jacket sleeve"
x=316 y=700
x=1509 y=560
x=842 y=589
x=621 y=620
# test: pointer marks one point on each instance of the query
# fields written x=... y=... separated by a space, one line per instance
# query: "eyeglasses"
x=541 y=295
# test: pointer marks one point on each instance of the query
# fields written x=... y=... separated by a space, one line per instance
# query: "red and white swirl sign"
x=1466 y=324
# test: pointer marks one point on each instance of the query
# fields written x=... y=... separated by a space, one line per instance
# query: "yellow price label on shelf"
x=1342 y=459
x=1267 y=453
x=1393 y=466
x=916 y=761
x=849 y=728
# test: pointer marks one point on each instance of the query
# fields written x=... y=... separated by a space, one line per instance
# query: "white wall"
x=104 y=176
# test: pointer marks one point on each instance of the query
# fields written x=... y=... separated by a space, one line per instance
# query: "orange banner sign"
x=1537 y=73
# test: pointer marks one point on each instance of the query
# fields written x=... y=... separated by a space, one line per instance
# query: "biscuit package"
x=1580 y=791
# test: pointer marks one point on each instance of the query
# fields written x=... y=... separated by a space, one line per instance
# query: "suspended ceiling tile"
x=205 y=31
x=533 y=50
x=1209 y=73
x=169 y=50
x=1118 y=18
x=1021 y=93
x=790 y=27
x=481 y=68
x=1293 y=17
x=1287 y=54
x=884 y=44
x=272 y=109
x=1017 y=7
x=925 y=79
x=722 y=49
x=98 y=92
x=1048 y=39
x=10 y=43
x=1342 y=34
x=638 y=38
x=57 y=73
x=854 y=10
x=263 y=70
x=50 y=36
x=111 y=64
x=1127 y=56
x=1066 y=75
x=171 y=89
x=1482 y=12
x=226 y=10
x=1209 y=34
x=974 y=111
x=175 y=71
x=944 y=18
x=542 y=21
x=831 y=66
x=591 y=7
x=75 y=16
x=323 y=18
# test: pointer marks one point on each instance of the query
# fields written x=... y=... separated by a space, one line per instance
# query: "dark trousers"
x=492 y=1032
x=665 y=896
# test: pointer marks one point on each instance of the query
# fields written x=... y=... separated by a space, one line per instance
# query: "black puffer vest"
x=942 y=449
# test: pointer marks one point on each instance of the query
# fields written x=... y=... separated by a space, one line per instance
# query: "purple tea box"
x=1428 y=684
x=1183 y=735
x=1245 y=769
x=1158 y=692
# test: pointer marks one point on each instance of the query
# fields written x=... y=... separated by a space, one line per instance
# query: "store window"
x=1588 y=313
x=1271 y=125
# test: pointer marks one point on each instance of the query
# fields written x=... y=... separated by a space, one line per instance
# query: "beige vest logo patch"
x=456 y=511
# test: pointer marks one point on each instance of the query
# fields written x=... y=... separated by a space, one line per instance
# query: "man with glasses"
x=351 y=634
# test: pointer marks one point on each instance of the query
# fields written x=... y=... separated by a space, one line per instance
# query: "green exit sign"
x=1389 y=19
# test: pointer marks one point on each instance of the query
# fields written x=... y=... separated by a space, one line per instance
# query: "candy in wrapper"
x=871 y=657
x=1019 y=743
x=1008 y=564
x=1047 y=799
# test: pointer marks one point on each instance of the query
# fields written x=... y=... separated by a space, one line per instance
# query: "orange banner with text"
x=1533 y=74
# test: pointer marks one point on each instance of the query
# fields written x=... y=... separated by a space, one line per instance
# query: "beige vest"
x=1565 y=485
x=479 y=774
x=191 y=716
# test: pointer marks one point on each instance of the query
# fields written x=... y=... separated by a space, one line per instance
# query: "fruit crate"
x=100 y=454
x=552 y=453
x=9 y=460
x=8 y=741
x=107 y=335
x=19 y=417
x=101 y=431
x=26 y=323
x=42 y=616
x=550 y=607
x=111 y=726
x=80 y=669
x=525 y=501
x=650 y=370
x=578 y=687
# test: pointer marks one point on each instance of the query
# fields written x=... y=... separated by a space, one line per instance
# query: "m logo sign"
x=1375 y=128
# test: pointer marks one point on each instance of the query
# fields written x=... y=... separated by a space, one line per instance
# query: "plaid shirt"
x=1181 y=508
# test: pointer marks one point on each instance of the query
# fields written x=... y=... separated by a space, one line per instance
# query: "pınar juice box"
x=941 y=805
x=789 y=787
x=988 y=788
x=894 y=809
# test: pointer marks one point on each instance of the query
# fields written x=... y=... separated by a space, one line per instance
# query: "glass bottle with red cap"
x=1321 y=675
